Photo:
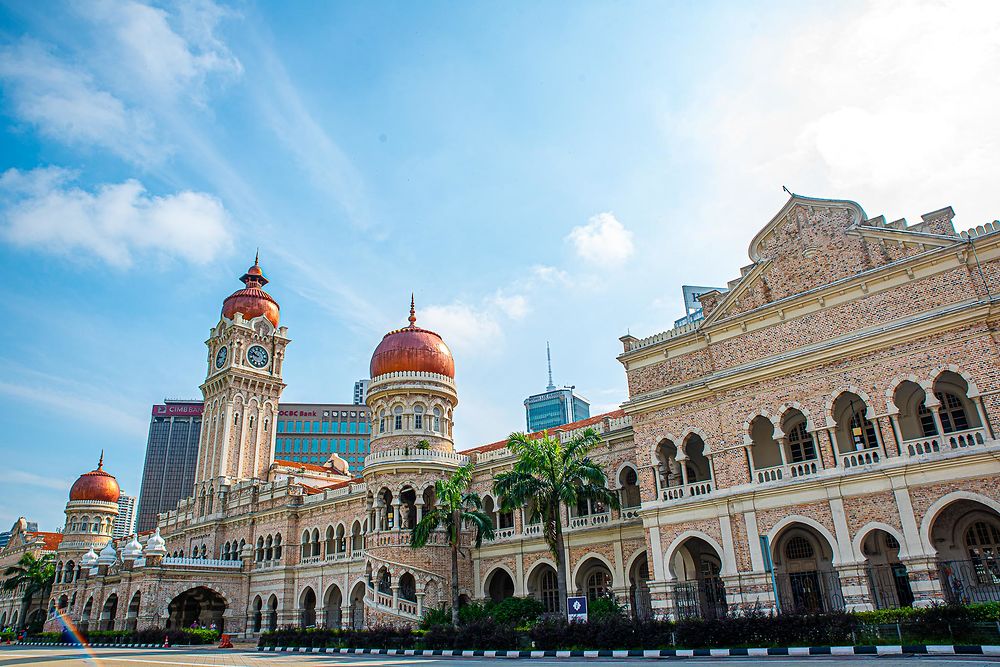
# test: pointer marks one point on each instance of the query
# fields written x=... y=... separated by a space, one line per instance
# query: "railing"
x=383 y=599
x=357 y=554
x=969 y=581
x=862 y=457
x=532 y=529
x=629 y=513
x=309 y=560
x=688 y=490
x=503 y=534
x=402 y=538
x=947 y=442
x=493 y=454
x=203 y=562
x=416 y=454
x=266 y=564
x=787 y=471
x=589 y=520
x=406 y=607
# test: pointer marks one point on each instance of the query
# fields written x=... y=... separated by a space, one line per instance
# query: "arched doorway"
x=84 y=624
x=109 y=612
x=257 y=620
x=358 y=606
x=593 y=579
x=888 y=581
x=132 y=615
x=966 y=534
x=543 y=585
x=332 y=602
x=803 y=571
x=307 y=608
x=638 y=588
x=699 y=591
x=196 y=607
x=499 y=585
x=272 y=613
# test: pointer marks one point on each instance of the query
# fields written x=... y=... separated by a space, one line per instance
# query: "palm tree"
x=456 y=507
x=35 y=575
x=548 y=474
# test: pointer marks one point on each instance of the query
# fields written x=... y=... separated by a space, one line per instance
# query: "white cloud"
x=147 y=52
x=31 y=479
x=42 y=211
x=603 y=241
x=465 y=328
x=66 y=104
x=514 y=306
x=857 y=105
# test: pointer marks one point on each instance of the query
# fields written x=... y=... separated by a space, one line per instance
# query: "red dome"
x=252 y=301
x=96 y=485
x=412 y=350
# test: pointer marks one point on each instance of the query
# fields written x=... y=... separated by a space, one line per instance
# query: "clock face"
x=257 y=356
x=220 y=356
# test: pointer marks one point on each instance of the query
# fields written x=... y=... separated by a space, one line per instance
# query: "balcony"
x=787 y=471
x=416 y=455
x=589 y=521
x=948 y=442
x=171 y=561
x=688 y=490
x=503 y=534
x=860 y=458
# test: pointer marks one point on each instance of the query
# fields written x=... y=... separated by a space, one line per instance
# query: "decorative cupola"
x=89 y=559
x=252 y=301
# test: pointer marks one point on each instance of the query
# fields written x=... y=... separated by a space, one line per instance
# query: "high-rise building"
x=125 y=521
x=171 y=458
x=4 y=538
x=692 y=306
x=311 y=432
x=360 y=392
x=306 y=433
x=554 y=406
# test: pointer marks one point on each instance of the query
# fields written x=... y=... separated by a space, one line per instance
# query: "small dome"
x=156 y=545
x=96 y=485
x=108 y=555
x=133 y=549
x=89 y=559
x=412 y=349
x=252 y=301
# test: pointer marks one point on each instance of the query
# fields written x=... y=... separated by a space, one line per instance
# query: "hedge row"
x=186 y=636
x=972 y=624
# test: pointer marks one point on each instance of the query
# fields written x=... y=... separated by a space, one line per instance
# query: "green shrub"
x=605 y=607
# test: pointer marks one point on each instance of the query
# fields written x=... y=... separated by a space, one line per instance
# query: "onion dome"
x=108 y=554
x=412 y=349
x=133 y=549
x=156 y=545
x=252 y=301
x=89 y=559
x=96 y=485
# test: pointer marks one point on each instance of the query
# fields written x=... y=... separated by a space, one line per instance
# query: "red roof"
x=572 y=426
x=50 y=541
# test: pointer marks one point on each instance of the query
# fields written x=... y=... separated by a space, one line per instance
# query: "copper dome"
x=412 y=349
x=96 y=485
x=252 y=301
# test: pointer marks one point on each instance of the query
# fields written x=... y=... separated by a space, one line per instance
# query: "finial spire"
x=256 y=257
x=100 y=462
x=413 y=312
x=548 y=354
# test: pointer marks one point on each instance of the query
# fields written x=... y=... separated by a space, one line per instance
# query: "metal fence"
x=968 y=581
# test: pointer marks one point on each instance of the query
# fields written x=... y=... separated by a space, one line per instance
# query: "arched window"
x=437 y=420
x=68 y=574
x=549 y=590
x=863 y=430
x=418 y=417
x=982 y=543
x=73 y=525
x=277 y=547
x=260 y=549
x=305 y=544
x=953 y=417
x=59 y=572
x=926 y=417
x=800 y=444
x=598 y=584
x=269 y=548
x=397 y=418
x=381 y=421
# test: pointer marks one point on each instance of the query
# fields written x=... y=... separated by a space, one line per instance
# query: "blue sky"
x=549 y=171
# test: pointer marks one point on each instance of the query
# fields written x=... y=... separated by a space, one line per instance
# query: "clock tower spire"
x=241 y=389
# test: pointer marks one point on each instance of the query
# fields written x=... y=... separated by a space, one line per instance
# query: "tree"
x=35 y=575
x=456 y=507
x=549 y=474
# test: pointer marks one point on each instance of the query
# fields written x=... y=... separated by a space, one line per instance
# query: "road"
x=13 y=656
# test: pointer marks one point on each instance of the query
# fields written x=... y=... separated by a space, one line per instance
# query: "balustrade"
x=947 y=442
x=688 y=490
x=787 y=471
x=202 y=562
x=589 y=521
x=416 y=454
x=503 y=534
x=862 y=457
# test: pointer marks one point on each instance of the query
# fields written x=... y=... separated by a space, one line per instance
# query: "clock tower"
x=242 y=387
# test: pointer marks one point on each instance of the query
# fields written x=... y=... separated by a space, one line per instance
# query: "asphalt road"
x=13 y=656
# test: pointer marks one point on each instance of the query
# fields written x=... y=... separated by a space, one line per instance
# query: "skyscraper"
x=360 y=391
x=125 y=521
x=554 y=406
x=171 y=457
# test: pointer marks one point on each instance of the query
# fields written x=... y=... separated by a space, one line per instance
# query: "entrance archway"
x=888 y=581
x=803 y=571
x=258 y=616
x=699 y=591
x=332 y=602
x=272 y=613
x=358 y=606
x=307 y=608
x=499 y=585
x=132 y=615
x=593 y=578
x=109 y=612
x=966 y=534
x=196 y=607
x=638 y=588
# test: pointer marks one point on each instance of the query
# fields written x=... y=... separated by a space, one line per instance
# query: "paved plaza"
x=68 y=657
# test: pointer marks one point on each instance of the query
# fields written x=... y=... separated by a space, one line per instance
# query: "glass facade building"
x=171 y=458
x=554 y=407
x=310 y=433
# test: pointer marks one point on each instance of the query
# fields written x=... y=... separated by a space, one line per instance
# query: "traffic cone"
x=166 y=641
x=225 y=642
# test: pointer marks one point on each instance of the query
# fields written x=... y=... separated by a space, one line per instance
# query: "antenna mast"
x=548 y=354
